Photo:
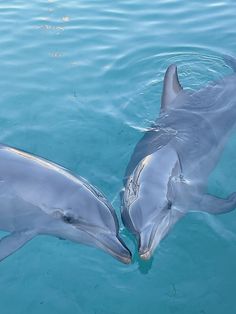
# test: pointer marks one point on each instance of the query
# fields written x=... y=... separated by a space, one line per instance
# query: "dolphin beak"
x=146 y=243
x=151 y=236
x=116 y=247
x=108 y=242
x=145 y=255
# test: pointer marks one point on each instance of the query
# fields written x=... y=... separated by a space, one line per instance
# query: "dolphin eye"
x=68 y=219
x=169 y=205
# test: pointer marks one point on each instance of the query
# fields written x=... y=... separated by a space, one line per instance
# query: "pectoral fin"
x=171 y=87
x=14 y=241
x=215 y=205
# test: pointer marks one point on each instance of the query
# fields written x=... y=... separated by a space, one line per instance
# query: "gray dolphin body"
x=168 y=171
x=40 y=197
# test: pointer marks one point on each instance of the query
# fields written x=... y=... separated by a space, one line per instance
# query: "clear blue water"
x=79 y=83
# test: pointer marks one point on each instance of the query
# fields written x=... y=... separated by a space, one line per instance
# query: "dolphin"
x=168 y=171
x=41 y=197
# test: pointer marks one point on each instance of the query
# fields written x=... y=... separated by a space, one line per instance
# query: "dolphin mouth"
x=116 y=247
x=147 y=242
x=151 y=236
x=145 y=255
x=112 y=244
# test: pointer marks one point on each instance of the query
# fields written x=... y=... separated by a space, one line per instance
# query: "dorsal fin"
x=171 y=87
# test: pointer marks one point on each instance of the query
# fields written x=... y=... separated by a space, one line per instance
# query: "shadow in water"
x=144 y=266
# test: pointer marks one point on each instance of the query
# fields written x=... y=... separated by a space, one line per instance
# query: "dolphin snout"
x=146 y=243
x=146 y=255
x=116 y=247
x=152 y=235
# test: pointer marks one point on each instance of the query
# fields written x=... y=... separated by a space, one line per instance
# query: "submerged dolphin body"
x=168 y=171
x=40 y=197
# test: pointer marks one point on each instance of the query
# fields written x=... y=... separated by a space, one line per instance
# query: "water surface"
x=80 y=81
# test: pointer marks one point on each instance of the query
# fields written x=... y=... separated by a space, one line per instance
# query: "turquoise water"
x=80 y=81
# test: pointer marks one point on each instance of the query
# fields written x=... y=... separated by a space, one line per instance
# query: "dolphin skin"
x=168 y=171
x=40 y=197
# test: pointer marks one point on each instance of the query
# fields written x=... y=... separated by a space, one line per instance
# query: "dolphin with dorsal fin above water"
x=168 y=171
x=40 y=197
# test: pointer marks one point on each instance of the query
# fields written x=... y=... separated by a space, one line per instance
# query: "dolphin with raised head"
x=40 y=197
x=168 y=171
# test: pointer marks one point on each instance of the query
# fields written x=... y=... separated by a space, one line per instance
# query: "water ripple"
x=80 y=83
